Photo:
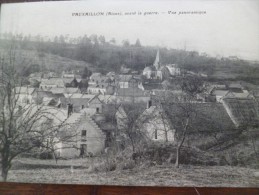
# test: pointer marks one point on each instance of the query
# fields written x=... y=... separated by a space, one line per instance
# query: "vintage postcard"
x=142 y=93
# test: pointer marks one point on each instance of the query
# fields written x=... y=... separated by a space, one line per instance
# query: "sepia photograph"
x=130 y=93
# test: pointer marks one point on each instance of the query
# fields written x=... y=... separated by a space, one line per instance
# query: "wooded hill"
x=107 y=56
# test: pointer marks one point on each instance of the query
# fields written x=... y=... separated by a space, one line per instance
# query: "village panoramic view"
x=91 y=111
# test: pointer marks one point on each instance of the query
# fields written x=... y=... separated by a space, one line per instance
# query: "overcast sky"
x=229 y=28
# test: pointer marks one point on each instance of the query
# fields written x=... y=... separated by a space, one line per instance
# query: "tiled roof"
x=204 y=116
x=243 y=111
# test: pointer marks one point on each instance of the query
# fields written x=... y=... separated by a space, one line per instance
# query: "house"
x=235 y=87
x=79 y=101
x=128 y=81
x=95 y=103
x=156 y=125
x=97 y=89
x=88 y=138
x=219 y=94
x=97 y=78
x=72 y=134
x=174 y=69
x=24 y=94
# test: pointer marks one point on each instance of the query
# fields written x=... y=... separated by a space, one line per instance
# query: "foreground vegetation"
x=46 y=171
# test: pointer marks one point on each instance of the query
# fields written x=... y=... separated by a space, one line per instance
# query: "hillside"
x=45 y=61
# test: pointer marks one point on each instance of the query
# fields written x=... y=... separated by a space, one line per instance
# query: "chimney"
x=149 y=104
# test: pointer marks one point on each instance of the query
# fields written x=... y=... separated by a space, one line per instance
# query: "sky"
x=229 y=28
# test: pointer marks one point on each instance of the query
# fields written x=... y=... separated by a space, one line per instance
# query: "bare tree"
x=181 y=111
x=23 y=126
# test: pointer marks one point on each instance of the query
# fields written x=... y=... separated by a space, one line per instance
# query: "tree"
x=86 y=73
x=182 y=112
x=128 y=121
x=125 y=43
x=137 y=44
x=23 y=126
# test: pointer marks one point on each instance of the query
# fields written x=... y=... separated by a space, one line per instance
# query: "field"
x=47 y=171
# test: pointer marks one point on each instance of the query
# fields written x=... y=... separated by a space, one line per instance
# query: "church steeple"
x=157 y=60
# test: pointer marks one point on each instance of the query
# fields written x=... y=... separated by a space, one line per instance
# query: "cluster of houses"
x=88 y=111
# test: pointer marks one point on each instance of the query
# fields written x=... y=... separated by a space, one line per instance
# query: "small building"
x=219 y=94
x=128 y=81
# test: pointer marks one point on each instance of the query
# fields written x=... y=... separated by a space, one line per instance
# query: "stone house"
x=86 y=138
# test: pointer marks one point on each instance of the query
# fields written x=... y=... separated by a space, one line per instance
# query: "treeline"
x=109 y=55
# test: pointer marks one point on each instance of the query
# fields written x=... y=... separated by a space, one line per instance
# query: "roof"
x=124 y=78
x=239 y=95
x=220 y=92
x=243 y=111
x=133 y=92
x=24 y=90
x=235 y=85
x=76 y=95
x=52 y=81
x=151 y=86
x=172 y=66
x=149 y=68
x=40 y=92
x=68 y=90
x=94 y=98
x=48 y=101
x=68 y=80
x=96 y=74
x=204 y=116
x=164 y=69
x=36 y=74
x=110 y=74
x=133 y=109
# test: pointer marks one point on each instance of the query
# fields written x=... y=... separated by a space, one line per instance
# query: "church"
x=159 y=71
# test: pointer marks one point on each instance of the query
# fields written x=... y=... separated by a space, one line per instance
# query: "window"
x=83 y=135
x=97 y=110
x=83 y=106
x=83 y=149
x=155 y=134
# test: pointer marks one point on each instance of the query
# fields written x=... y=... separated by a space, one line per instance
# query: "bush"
x=161 y=153
x=46 y=155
